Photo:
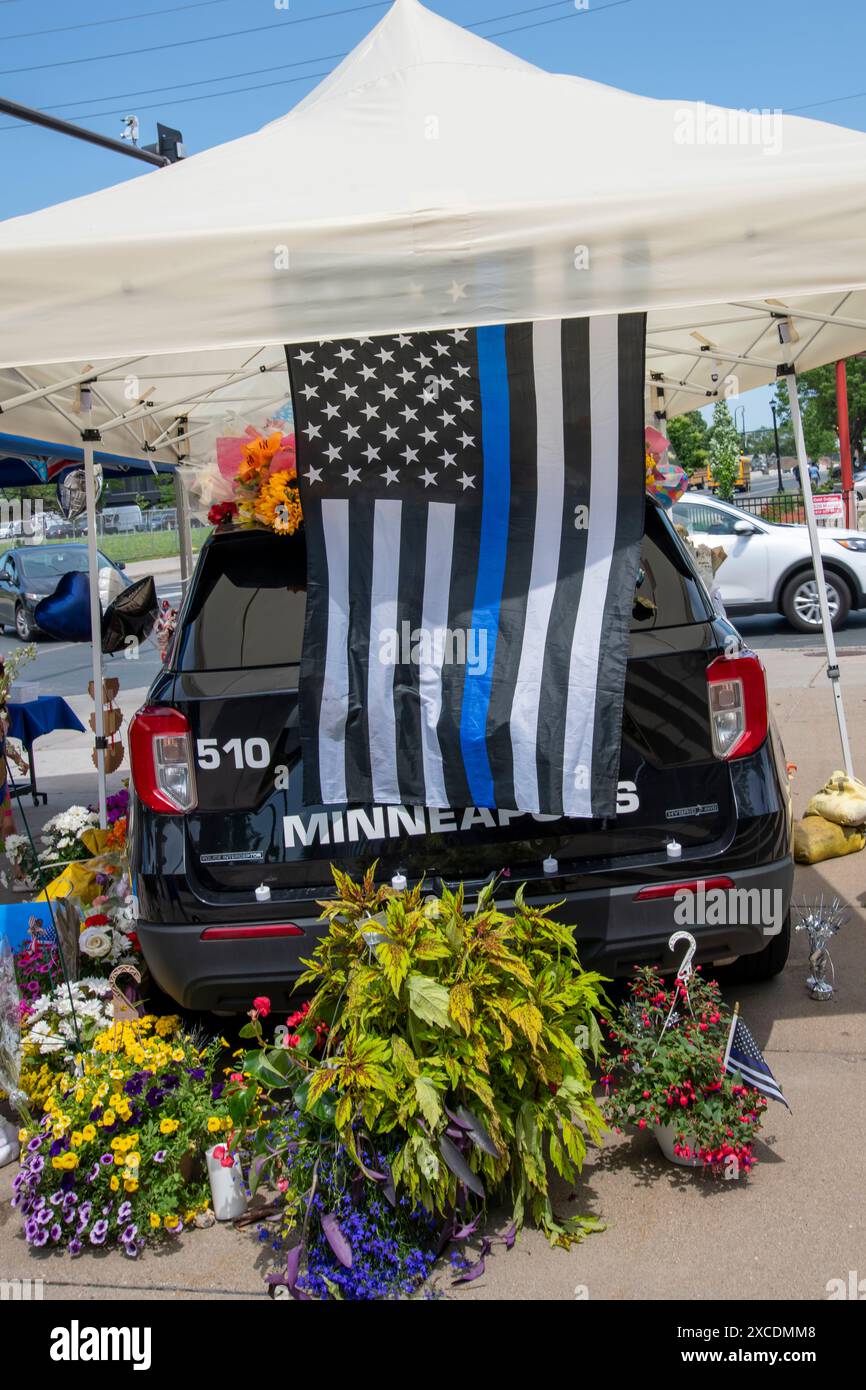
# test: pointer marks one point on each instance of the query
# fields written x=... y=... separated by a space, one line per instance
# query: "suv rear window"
x=247 y=606
x=669 y=593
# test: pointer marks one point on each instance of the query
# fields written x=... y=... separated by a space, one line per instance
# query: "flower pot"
x=226 y=1185
x=666 y=1136
x=9 y=1146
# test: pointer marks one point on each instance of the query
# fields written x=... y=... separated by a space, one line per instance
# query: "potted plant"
x=444 y=1057
x=664 y=1071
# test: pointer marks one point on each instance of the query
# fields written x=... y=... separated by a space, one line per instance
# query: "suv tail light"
x=737 y=689
x=160 y=753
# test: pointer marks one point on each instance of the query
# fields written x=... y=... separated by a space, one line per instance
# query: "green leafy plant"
x=673 y=1075
x=460 y=1040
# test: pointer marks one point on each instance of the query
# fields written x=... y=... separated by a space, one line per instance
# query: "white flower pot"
x=666 y=1136
x=226 y=1185
x=9 y=1146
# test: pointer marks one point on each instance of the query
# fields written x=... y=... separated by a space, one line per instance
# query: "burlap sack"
x=816 y=839
x=842 y=799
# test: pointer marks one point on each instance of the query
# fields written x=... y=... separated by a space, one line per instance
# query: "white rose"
x=94 y=942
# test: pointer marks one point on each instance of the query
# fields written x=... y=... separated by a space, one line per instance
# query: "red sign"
x=829 y=505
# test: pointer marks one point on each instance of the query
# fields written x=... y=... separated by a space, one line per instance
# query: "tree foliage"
x=724 y=450
x=816 y=391
x=689 y=435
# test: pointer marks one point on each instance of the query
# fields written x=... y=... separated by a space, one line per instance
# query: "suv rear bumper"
x=614 y=931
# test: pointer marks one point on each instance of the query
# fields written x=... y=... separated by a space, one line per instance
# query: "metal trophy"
x=821 y=921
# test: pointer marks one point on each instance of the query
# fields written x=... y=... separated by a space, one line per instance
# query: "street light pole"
x=778 y=450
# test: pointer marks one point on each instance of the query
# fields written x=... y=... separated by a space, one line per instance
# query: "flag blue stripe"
x=496 y=445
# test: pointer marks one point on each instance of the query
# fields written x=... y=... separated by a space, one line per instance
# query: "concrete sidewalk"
x=797 y=1223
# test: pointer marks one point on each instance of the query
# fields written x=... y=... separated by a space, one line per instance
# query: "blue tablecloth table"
x=30 y=720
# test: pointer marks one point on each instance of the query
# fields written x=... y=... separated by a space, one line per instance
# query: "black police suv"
x=703 y=811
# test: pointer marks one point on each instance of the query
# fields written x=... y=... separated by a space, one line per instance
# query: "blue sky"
x=791 y=54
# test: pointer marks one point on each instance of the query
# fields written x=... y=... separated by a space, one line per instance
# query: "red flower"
x=262 y=1005
x=98 y=919
x=222 y=511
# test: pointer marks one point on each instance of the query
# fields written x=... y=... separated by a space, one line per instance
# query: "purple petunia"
x=124 y=1211
x=159 y=1156
x=75 y=1247
x=56 y=1232
x=107 y=1159
x=37 y=1163
x=99 y=1232
x=34 y=1145
x=31 y=1229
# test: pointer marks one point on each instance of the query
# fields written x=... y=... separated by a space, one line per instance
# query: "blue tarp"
x=26 y=462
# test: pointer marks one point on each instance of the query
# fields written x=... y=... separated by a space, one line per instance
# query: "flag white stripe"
x=604 y=488
x=382 y=660
x=335 y=687
x=550 y=455
x=434 y=626
x=758 y=1079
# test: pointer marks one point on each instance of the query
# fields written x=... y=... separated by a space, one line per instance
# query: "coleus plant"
x=459 y=1041
x=664 y=1066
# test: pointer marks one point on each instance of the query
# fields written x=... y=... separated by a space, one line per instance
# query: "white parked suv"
x=768 y=566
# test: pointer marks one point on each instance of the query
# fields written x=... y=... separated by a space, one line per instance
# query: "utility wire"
x=114 y=19
x=203 y=38
x=320 y=58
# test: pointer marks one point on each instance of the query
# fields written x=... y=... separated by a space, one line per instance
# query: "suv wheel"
x=800 y=601
x=763 y=965
x=23 y=626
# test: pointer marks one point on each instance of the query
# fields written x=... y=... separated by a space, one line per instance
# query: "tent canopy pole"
x=817 y=559
x=89 y=437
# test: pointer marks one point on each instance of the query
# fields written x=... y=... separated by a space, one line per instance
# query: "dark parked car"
x=218 y=809
x=30 y=573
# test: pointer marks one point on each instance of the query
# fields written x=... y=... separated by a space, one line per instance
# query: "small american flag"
x=473 y=507
x=745 y=1058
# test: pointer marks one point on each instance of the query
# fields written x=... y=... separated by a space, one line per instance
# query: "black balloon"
x=132 y=614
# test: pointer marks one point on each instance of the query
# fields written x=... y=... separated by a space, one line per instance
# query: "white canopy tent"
x=435 y=180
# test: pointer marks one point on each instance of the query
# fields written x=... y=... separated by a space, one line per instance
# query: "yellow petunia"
x=213 y=1124
x=155 y=1221
x=114 y=1182
x=168 y=1126
x=89 y=1133
x=76 y=1139
x=108 y=1119
x=171 y=1223
x=130 y=1185
x=65 y=1161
